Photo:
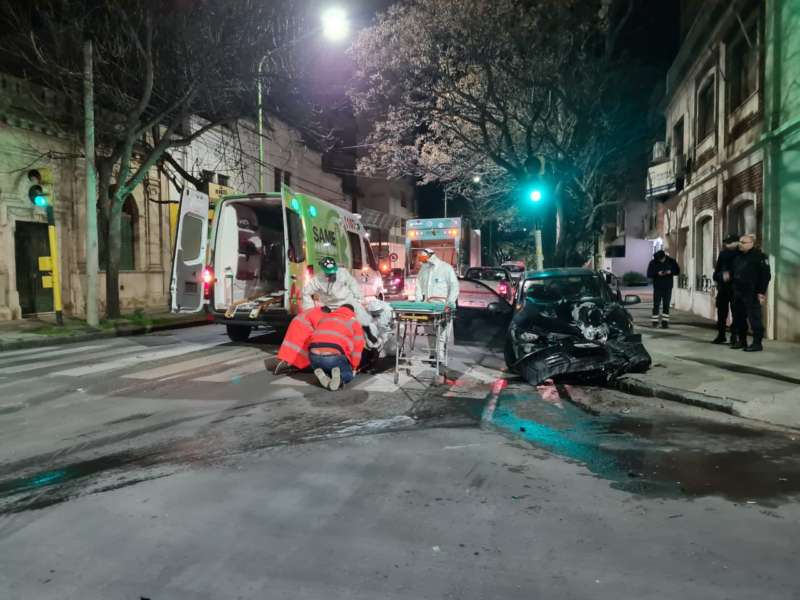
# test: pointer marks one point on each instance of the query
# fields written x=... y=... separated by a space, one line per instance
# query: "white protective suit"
x=380 y=326
x=437 y=282
x=345 y=290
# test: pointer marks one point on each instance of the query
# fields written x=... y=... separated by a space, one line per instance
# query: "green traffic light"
x=40 y=201
x=536 y=195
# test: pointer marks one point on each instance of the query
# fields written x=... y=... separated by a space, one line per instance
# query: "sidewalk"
x=34 y=333
x=688 y=368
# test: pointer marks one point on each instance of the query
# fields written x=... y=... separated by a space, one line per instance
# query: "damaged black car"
x=569 y=324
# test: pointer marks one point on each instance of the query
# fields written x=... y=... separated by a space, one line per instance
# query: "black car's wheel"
x=238 y=333
x=508 y=355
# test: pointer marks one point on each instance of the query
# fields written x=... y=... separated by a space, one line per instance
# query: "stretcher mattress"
x=405 y=306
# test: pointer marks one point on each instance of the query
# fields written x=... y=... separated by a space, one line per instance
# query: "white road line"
x=76 y=358
x=256 y=365
x=211 y=361
x=28 y=351
x=129 y=361
x=47 y=354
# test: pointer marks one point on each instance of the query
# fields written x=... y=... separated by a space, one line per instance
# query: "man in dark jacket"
x=751 y=276
x=661 y=270
x=723 y=277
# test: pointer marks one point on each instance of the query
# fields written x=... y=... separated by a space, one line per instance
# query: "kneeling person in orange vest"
x=333 y=287
x=294 y=348
x=335 y=347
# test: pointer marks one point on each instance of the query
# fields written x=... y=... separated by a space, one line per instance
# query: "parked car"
x=497 y=278
x=394 y=282
x=515 y=267
x=568 y=322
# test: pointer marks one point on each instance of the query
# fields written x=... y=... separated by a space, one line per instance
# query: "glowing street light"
x=536 y=195
x=335 y=25
x=476 y=179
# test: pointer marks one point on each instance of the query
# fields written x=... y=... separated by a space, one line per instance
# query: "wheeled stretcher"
x=420 y=319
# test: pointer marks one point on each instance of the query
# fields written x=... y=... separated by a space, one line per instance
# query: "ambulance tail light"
x=208 y=279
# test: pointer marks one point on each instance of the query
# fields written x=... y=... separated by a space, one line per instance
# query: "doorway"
x=31 y=242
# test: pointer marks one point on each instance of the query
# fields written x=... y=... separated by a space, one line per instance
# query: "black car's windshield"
x=553 y=289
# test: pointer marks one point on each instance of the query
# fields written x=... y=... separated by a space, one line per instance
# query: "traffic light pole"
x=51 y=234
x=539 y=253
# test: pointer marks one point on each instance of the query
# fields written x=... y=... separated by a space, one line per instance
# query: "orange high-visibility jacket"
x=340 y=330
x=294 y=349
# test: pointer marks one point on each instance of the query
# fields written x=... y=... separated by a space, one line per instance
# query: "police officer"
x=751 y=276
x=662 y=270
x=723 y=277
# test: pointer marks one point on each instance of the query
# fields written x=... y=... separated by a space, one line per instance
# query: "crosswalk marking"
x=247 y=368
x=130 y=361
x=9 y=353
x=211 y=361
x=8 y=357
x=78 y=357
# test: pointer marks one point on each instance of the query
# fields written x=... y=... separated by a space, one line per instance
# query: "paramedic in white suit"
x=437 y=282
x=334 y=287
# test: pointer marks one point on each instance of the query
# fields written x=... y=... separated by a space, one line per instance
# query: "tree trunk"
x=113 y=256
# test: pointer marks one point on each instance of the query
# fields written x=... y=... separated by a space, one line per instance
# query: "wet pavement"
x=665 y=456
x=202 y=475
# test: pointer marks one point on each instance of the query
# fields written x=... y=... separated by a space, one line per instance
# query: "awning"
x=378 y=219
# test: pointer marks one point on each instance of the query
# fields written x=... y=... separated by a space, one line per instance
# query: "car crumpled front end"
x=582 y=340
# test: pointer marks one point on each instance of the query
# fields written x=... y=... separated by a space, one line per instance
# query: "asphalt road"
x=176 y=466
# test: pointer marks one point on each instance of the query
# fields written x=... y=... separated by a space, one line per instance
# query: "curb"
x=100 y=334
x=654 y=390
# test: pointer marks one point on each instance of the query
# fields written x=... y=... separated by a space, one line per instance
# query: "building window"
x=276 y=179
x=223 y=180
x=677 y=138
x=207 y=176
x=742 y=219
x=355 y=249
x=704 y=253
x=743 y=66
x=403 y=200
x=287 y=178
x=705 y=110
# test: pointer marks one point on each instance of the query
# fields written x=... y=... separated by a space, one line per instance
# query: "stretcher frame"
x=411 y=323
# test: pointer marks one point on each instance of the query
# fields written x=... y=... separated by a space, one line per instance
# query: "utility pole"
x=260 y=102
x=91 y=186
x=445 y=202
x=539 y=253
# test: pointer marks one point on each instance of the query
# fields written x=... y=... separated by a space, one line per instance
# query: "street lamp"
x=476 y=179
x=335 y=27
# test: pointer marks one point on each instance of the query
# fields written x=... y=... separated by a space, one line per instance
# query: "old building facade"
x=711 y=174
x=224 y=157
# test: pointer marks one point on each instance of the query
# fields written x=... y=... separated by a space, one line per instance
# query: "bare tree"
x=156 y=63
x=463 y=87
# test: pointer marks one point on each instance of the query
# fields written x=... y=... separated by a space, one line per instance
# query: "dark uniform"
x=724 y=290
x=662 y=269
x=751 y=276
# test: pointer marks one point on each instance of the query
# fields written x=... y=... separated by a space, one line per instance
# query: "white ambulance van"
x=249 y=271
